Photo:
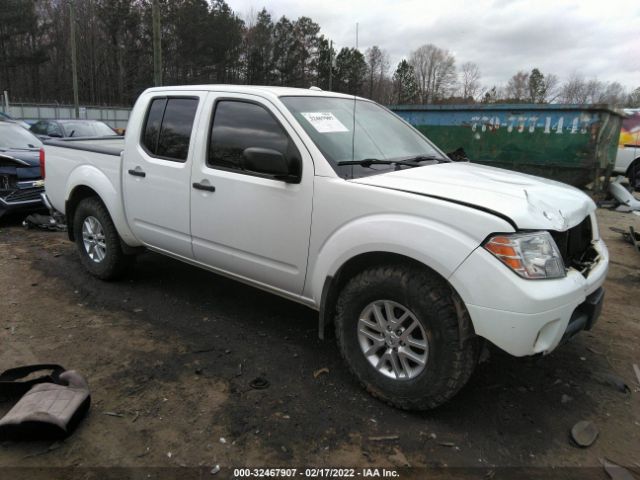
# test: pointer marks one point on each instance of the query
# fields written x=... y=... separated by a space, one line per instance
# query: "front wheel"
x=405 y=336
x=98 y=242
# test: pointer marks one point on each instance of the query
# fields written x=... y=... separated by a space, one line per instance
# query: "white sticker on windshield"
x=324 y=122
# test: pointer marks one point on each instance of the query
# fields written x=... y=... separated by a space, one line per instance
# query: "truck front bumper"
x=527 y=317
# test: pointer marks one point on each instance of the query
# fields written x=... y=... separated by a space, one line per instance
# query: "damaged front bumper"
x=21 y=183
x=525 y=317
x=585 y=315
x=21 y=198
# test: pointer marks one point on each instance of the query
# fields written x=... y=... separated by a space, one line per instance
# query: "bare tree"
x=470 y=80
x=633 y=99
x=551 y=88
x=594 y=91
x=574 y=90
x=377 y=68
x=517 y=88
x=435 y=70
x=614 y=94
x=578 y=90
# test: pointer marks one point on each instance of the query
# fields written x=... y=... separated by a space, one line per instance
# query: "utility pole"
x=157 y=44
x=356 y=35
x=330 y=64
x=74 y=56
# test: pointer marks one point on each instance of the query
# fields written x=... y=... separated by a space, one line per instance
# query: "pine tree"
x=351 y=71
x=405 y=84
x=536 y=86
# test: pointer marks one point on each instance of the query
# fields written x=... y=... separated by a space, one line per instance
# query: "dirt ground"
x=170 y=352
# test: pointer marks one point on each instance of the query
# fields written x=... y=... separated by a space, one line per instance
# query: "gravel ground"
x=170 y=352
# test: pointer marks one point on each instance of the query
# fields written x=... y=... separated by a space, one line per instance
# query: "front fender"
x=436 y=245
x=95 y=179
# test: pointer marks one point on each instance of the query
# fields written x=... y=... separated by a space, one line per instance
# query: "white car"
x=628 y=157
x=334 y=202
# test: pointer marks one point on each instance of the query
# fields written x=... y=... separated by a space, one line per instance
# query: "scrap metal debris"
x=43 y=222
x=616 y=382
x=399 y=459
x=630 y=236
x=320 y=371
x=447 y=444
x=637 y=370
x=616 y=472
x=259 y=383
x=622 y=195
x=584 y=433
x=384 y=438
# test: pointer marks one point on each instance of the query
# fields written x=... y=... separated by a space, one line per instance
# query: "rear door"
x=248 y=224
x=157 y=171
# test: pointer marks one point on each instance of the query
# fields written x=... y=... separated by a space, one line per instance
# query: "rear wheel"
x=98 y=242
x=633 y=174
x=405 y=336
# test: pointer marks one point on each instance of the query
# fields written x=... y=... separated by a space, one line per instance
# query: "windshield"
x=379 y=134
x=14 y=137
x=87 y=129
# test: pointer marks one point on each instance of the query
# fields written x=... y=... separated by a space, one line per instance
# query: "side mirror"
x=270 y=162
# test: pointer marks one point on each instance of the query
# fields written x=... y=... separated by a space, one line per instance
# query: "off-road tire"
x=453 y=347
x=115 y=263
x=633 y=174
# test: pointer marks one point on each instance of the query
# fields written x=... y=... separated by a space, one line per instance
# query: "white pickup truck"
x=335 y=202
x=628 y=157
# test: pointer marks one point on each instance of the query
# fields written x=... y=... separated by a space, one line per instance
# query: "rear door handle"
x=202 y=186
x=137 y=173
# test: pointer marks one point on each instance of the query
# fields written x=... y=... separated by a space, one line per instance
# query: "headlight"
x=530 y=255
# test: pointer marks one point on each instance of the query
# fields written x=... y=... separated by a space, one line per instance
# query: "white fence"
x=115 y=117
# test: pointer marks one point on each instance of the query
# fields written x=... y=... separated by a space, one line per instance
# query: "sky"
x=597 y=39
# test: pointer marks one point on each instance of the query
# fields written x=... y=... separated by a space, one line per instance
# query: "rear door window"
x=168 y=127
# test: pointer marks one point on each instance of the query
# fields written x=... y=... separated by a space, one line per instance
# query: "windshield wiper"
x=409 y=162
x=426 y=158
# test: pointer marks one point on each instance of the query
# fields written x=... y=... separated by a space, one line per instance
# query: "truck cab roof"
x=260 y=90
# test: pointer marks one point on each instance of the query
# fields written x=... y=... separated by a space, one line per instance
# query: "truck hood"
x=527 y=201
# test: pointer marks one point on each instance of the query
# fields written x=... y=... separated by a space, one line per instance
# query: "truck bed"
x=106 y=145
x=66 y=158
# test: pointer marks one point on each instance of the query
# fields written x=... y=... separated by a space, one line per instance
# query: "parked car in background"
x=4 y=117
x=72 y=128
x=21 y=155
x=628 y=158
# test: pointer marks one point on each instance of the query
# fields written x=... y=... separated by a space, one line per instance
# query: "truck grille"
x=575 y=245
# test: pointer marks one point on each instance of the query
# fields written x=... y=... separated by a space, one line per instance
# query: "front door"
x=244 y=223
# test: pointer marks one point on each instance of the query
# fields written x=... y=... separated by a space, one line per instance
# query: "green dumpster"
x=575 y=144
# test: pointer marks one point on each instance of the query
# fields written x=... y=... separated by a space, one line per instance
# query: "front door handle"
x=137 y=173
x=202 y=186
